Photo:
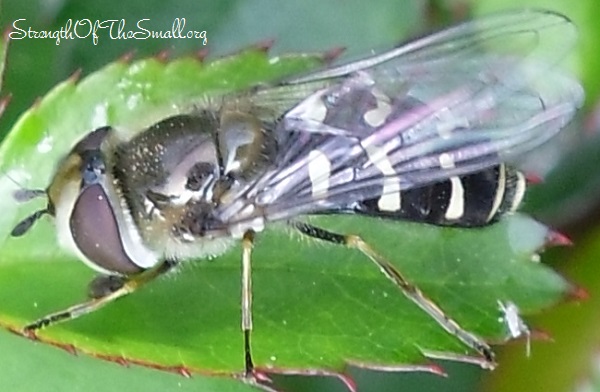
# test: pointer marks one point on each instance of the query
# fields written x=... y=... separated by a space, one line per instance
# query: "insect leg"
x=247 y=244
x=408 y=289
x=128 y=286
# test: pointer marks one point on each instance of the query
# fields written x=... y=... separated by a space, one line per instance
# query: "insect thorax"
x=173 y=175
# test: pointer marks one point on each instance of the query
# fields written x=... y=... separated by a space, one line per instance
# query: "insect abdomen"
x=472 y=200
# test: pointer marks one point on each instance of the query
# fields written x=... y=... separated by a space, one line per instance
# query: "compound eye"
x=96 y=232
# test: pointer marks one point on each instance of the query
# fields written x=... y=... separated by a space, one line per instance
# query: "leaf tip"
x=540 y=335
x=202 y=54
x=115 y=359
x=257 y=378
x=75 y=76
x=591 y=122
x=264 y=45
x=29 y=334
x=348 y=382
x=6 y=34
x=4 y=101
x=163 y=56
x=577 y=293
x=127 y=57
x=556 y=238
x=32 y=335
x=533 y=178
x=66 y=347
x=183 y=371
x=329 y=56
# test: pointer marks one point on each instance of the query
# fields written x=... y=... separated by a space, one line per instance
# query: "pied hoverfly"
x=422 y=132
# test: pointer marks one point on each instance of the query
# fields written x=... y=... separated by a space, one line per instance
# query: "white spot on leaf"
x=100 y=116
x=45 y=145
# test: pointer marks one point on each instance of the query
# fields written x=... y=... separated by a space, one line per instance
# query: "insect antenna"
x=24 y=195
x=24 y=226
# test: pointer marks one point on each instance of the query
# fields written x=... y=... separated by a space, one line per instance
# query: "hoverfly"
x=424 y=132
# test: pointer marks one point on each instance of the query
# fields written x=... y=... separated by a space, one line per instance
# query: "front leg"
x=103 y=291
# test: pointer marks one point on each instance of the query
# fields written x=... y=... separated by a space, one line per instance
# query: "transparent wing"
x=531 y=33
x=452 y=103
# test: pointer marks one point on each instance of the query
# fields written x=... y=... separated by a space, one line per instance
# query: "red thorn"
x=261 y=376
x=36 y=102
x=591 y=124
x=163 y=56
x=533 y=178
x=127 y=57
x=66 y=347
x=29 y=334
x=75 y=76
x=4 y=101
x=540 y=335
x=118 y=360
x=577 y=293
x=6 y=34
x=122 y=361
x=32 y=335
x=555 y=238
x=264 y=45
x=331 y=55
x=183 y=371
x=437 y=370
x=348 y=382
x=201 y=54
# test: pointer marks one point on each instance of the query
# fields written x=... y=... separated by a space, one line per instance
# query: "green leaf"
x=317 y=307
x=28 y=367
